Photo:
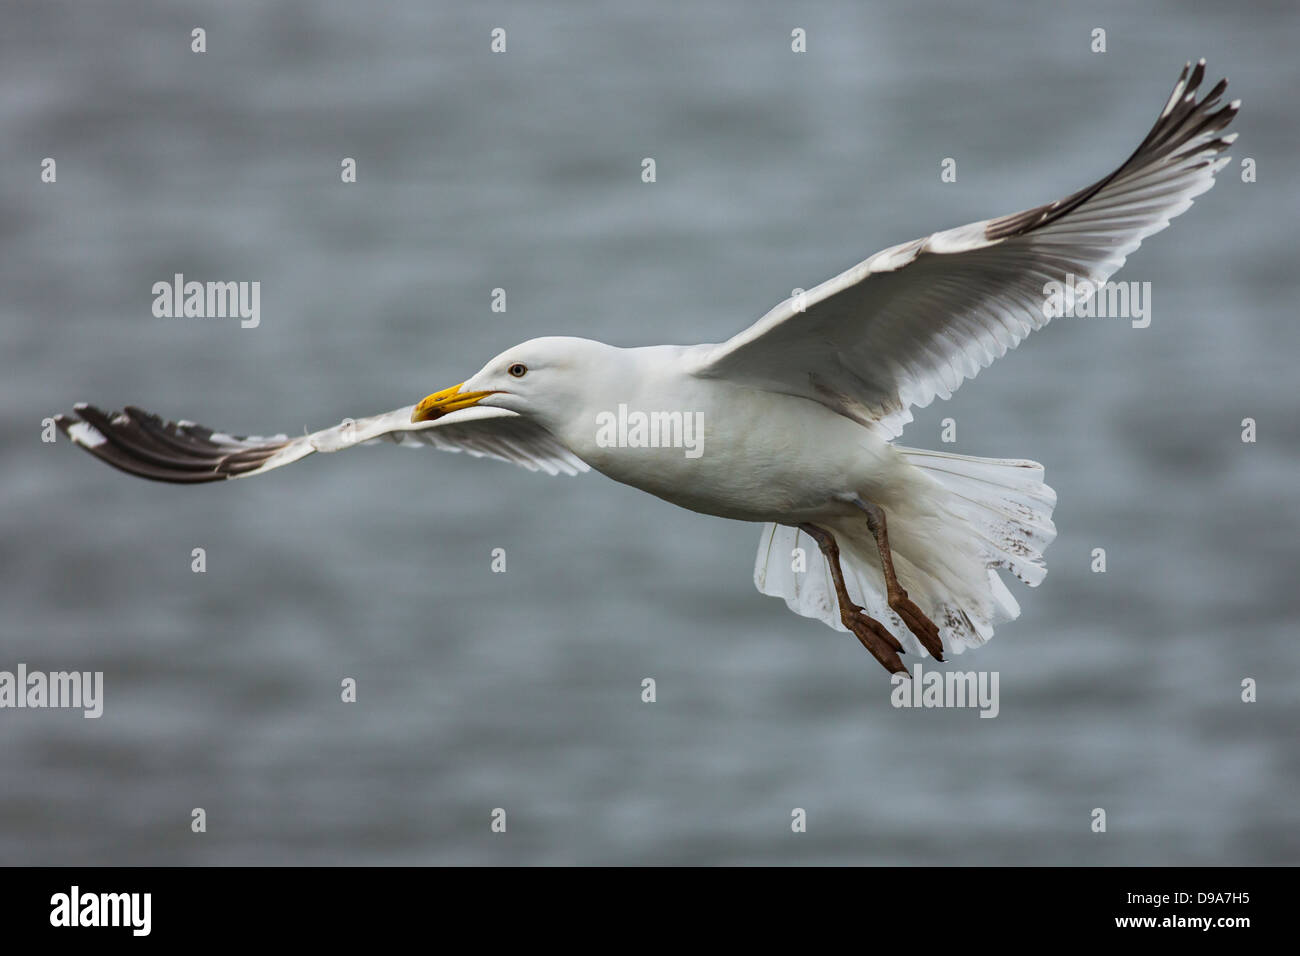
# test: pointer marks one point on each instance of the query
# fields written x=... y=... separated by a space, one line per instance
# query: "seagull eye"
x=518 y=370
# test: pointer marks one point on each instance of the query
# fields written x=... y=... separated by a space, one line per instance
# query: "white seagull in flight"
x=797 y=414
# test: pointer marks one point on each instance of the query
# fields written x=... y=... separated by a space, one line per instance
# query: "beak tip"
x=434 y=406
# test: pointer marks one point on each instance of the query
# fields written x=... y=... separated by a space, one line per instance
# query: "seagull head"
x=544 y=379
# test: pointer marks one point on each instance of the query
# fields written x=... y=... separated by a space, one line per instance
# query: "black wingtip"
x=1182 y=131
x=143 y=444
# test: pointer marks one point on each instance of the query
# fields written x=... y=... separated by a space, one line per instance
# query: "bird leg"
x=875 y=637
x=916 y=620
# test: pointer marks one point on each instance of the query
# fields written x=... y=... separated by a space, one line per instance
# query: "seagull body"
x=766 y=456
x=798 y=414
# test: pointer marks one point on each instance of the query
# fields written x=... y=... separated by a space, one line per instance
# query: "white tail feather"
x=1005 y=503
x=986 y=514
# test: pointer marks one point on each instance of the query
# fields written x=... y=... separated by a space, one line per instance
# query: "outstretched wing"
x=916 y=320
x=185 y=453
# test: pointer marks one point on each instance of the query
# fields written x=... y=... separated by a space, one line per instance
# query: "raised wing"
x=916 y=320
x=185 y=453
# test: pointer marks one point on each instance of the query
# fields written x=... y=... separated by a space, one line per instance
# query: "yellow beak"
x=448 y=400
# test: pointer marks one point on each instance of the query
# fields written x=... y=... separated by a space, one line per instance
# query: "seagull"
x=792 y=422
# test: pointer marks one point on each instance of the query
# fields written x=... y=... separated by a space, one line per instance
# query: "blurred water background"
x=523 y=690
